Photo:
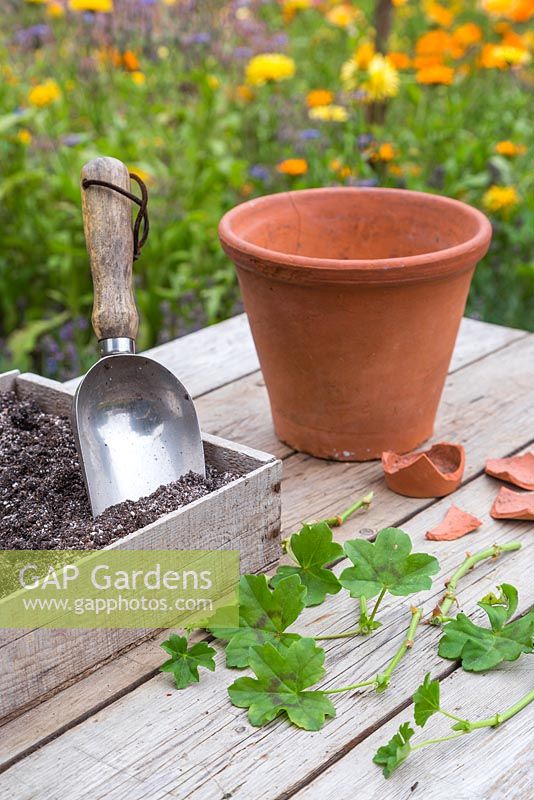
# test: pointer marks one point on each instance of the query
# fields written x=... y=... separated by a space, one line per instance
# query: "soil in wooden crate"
x=43 y=500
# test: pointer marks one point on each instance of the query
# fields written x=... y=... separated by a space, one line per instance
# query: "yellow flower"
x=24 y=136
x=359 y=61
x=138 y=77
x=508 y=148
x=44 y=93
x=342 y=170
x=269 y=67
x=512 y=56
x=329 y=113
x=382 y=79
x=435 y=74
x=163 y=52
x=343 y=15
x=213 y=81
x=293 y=166
x=102 y=6
x=319 y=97
x=55 y=10
x=500 y=199
x=290 y=8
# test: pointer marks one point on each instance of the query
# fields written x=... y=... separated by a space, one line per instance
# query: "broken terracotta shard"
x=513 y=505
x=518 y=469
x=455 y=524
x=431 y=473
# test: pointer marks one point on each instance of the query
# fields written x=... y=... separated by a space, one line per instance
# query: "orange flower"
x=508 y=148
x=438 y=73
x=438 y=43
x=319 y=97
x=130 y=61
x=364 y=54
x=399 y=60
x=385 y=152
x=293 y=166
x=244 y=93
x=515 y=10
x=467 y=35
x=342 y=15
x=422 y=62
x=438 y=13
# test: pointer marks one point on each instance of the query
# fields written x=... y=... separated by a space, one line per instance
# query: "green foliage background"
x=204 y=148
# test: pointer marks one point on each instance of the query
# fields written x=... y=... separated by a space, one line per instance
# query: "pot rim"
x=434 y=264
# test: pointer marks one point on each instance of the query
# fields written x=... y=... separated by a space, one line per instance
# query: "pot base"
x=340 y=446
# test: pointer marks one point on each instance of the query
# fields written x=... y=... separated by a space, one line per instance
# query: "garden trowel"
x=135 y=424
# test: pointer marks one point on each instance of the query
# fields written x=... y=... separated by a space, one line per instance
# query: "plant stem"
x=359 y=685
x=384 y=678
x=338 y=520
x=375 y=607
x=344 y=635
x=439 y=615
x=453 y=716
x=497 y=719
x=436 y=741
x=381 y=681
x=333 y=522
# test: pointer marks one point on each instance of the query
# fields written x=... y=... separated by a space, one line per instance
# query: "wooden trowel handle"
x=107 y=222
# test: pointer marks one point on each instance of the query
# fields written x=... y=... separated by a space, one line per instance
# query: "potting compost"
x=43 y=500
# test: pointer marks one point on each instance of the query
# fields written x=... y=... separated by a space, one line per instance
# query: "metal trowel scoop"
x=135 y=424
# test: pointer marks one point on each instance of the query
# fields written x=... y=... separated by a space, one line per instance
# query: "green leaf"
x=264 y=616
x=24 y=340
x=280 y=683
x=397 y=750
x=387 y=564
x=481 y=648
x=184 y=662
x=500 y=608
x=426 y=700
x=313 y=547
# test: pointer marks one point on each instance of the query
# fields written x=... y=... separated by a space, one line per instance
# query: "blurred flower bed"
x=214 y=102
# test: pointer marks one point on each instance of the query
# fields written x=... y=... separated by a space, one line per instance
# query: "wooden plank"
x=208 y=358
x=73 y=704
x=197 y=745
x=222 y=353
x=315 y=488
x=477 y=339
x=7 y=380
x=240 y=411
x=490 y=764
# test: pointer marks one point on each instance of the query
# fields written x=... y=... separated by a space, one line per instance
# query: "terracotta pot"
x=354 y=298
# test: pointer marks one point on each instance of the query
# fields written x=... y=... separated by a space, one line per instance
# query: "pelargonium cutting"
x=287 y=666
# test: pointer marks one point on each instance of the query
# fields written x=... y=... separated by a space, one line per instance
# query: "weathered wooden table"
x=124 y=733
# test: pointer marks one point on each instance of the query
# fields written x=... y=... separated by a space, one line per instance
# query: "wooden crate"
x=244 y=516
